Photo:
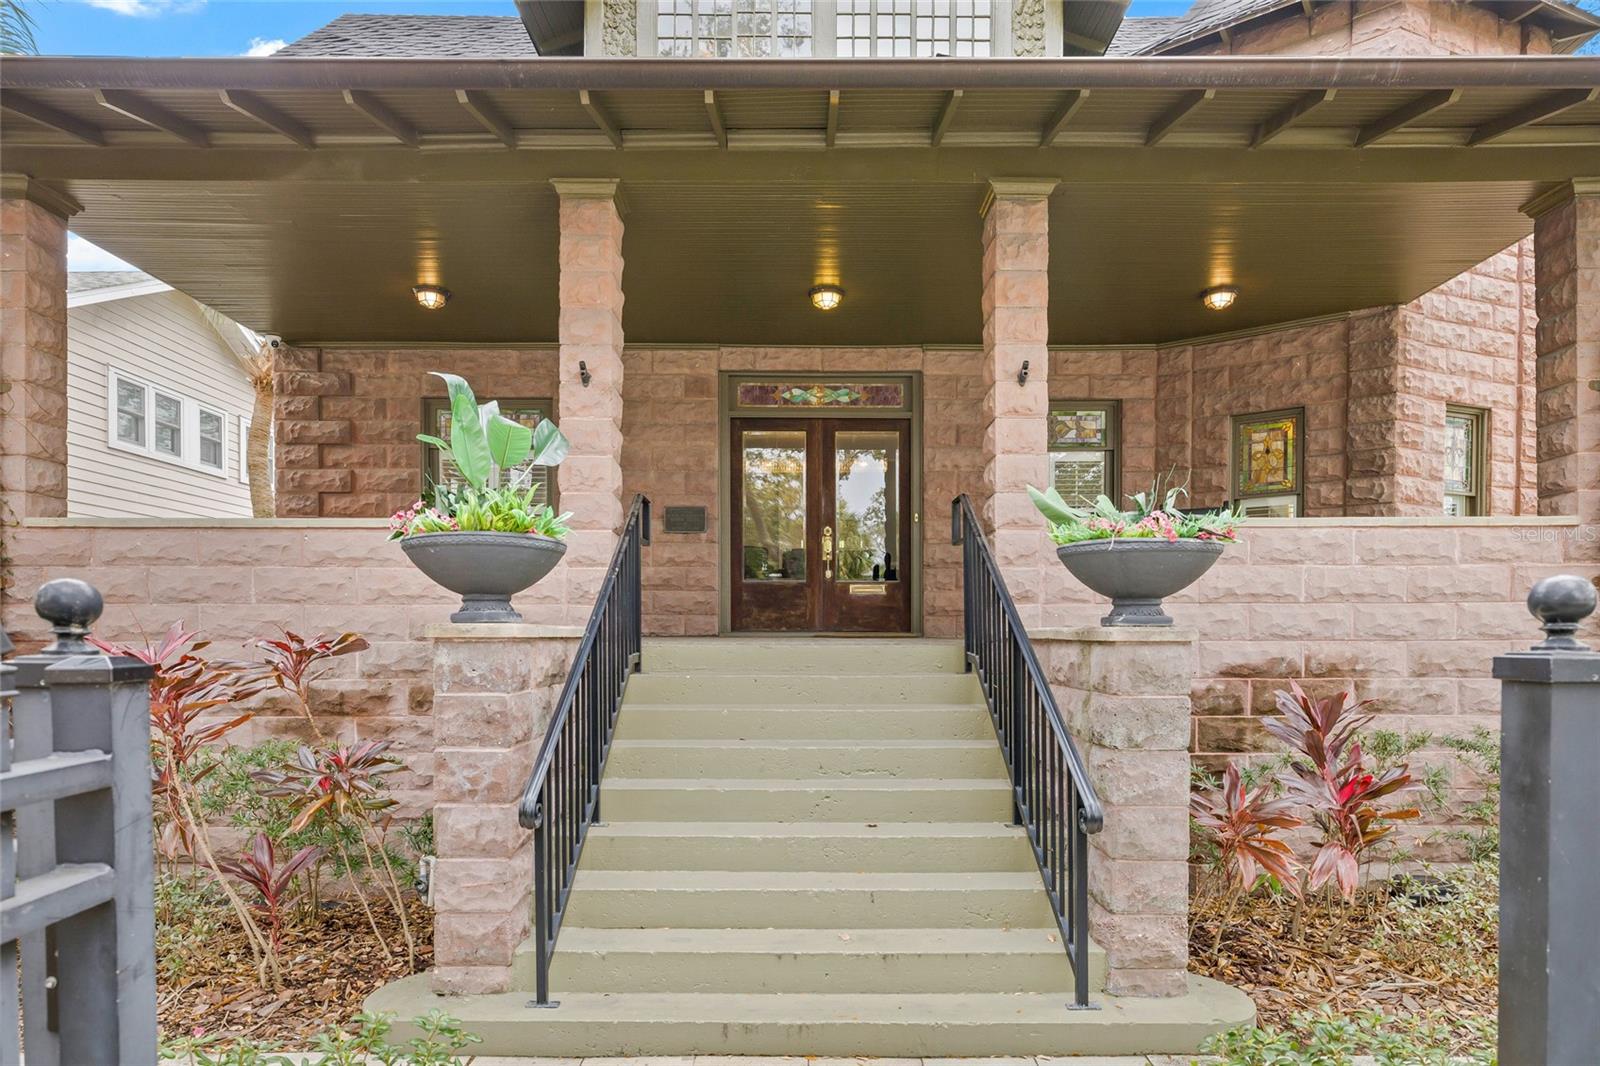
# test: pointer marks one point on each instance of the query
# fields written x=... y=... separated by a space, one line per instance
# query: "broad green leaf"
x=428 y=438
x=468 y=445
x=550 y=445
x=509 y=442
x=1051 y=505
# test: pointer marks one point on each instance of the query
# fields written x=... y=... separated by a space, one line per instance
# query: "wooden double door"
x=822 y=525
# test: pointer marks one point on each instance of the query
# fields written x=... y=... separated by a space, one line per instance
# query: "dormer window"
x=906 y=28
x=743 y=29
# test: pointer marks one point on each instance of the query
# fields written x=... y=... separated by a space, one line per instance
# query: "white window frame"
x=919 y=11
x=649 y=38
x=222 y=452
x=188 y=426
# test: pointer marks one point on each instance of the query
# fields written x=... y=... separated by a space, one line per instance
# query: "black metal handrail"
x=562 y=797
x=1052 y=798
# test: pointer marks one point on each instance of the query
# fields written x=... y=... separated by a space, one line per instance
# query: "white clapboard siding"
x=162 y=340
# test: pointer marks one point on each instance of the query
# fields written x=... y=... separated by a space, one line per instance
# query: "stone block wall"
x=347 y=419
x=33 y=360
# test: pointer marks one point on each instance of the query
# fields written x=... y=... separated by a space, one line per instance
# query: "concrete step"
x=721 y=899
x=862 y=799
x=802 y=655
x=835 y=1024
x=799 y=759
x=888 y=847
x=881 y=689
x=641 y=721
x=813 y=960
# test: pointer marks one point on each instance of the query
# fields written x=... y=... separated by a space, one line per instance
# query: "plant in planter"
x=486 y=539
x=1136 y=557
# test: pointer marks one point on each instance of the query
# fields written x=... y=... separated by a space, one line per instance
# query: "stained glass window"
x=1082 y=445
x=885 y=394
x=1463 y=461
x=1266 y=453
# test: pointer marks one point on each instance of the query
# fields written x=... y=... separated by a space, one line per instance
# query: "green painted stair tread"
x=815 y=960
x=832 y=1024
x=864 y=655
x=864 y=799
x=667 y=721
x=698 y=759
x=880 y=688
x=807 y=846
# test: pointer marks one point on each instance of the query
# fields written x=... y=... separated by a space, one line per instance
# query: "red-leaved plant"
x=341 y=784
x=186 y=689
x=274 y=884
x=1243 y=825
x=1331 y=778
x=292 y=658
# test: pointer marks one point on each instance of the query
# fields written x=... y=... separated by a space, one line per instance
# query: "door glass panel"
x=867 y=504
x=774 y=495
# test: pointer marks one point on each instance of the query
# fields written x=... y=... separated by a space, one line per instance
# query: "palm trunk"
x=258 y=448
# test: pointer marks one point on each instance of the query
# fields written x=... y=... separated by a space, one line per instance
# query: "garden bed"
x=207 y=980
x=1427 y=963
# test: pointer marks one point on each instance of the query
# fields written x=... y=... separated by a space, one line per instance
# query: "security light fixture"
x=826 y=297
x=431 y=297
x=1220 y=298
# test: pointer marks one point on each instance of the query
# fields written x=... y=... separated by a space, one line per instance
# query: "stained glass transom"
x=805 y=394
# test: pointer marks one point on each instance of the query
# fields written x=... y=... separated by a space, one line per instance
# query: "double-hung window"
x=438 y=469
x=1463 y=461
x=1083 y=451
x=164 y=424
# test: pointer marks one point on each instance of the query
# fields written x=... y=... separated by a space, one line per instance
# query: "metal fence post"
x=1550 y=836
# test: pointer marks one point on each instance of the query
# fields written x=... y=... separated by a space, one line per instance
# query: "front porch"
x=1009 y=249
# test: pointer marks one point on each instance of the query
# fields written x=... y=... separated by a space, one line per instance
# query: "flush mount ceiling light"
x=826 y=297
x=431 y=297
x=1220 y=298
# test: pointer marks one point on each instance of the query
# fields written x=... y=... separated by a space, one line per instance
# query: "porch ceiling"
x=305 y=197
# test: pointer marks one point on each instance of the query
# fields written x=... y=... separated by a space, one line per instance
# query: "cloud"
x=149 y=9
x=261 y=46
x=81 y=255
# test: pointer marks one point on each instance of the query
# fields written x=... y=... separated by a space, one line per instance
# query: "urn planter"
x=1139 y=573
x=485 y=569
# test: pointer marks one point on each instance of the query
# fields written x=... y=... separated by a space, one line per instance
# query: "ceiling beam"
x=1297 y=109
x=832 y=133
x=1542 y=108
x=1398 y=119
x=600 y=117
x=375 y=109
x=1187 y=104
x=1524 y=13
x=489 y=117
x=1070 y=103
x=46 y=115
x=139 y=109
x=252 y=106
x=947 y=115
x=719 y=129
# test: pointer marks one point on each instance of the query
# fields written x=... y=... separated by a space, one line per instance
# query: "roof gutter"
x=1186 y=72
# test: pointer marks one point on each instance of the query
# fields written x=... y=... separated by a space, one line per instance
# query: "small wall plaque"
x=684 y=520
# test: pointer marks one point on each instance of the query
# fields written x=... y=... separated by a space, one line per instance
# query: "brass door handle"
x=827 y=552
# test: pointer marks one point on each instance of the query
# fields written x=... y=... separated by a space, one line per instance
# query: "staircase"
x=806 y=849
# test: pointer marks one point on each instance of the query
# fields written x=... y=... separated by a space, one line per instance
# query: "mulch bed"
x=1370 y=955
x=329 y=967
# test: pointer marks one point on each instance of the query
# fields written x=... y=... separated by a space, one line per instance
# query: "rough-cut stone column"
x=33 y=348
x=1125 y=696
x=590 y=481
x=1566 y=240
x=1016 y=329
x=494 y=691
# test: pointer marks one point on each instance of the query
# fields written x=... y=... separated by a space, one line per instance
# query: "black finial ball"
x=1561 y=603
x=71 y=607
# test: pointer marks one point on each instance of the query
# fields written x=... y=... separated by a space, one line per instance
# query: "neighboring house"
x=1333 y=262
x=159 y=402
